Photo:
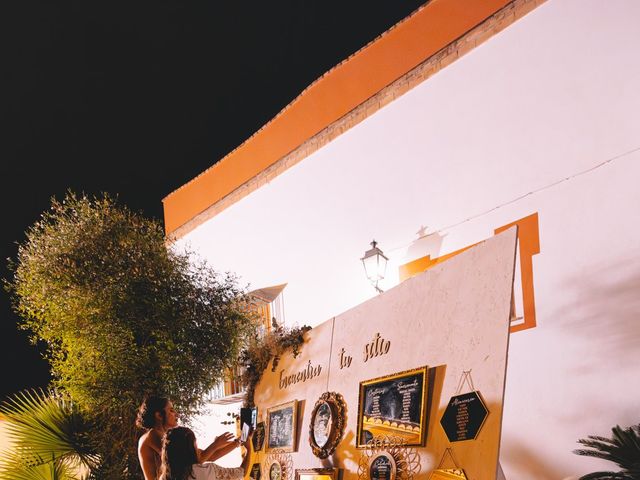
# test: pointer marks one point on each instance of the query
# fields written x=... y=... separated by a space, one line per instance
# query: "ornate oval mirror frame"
x=335 y=424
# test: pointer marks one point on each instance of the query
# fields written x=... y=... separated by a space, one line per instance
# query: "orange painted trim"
x=529 y=244
x=422 y=264
x=349 y=84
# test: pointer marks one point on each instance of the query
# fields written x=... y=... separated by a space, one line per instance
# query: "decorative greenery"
x=261 y=350
x=48 y=438
x=123 y=315
x=623 y=448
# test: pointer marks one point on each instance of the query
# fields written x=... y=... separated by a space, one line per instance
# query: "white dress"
x=211 y=471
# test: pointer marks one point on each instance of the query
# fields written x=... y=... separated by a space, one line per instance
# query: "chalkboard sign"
x=254 y=473
x=464 y=416
x=258 y=437
x=394 y=405
x=282 y=427
x=382 y=466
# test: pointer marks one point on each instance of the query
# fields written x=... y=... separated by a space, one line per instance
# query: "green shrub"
x=123 y=315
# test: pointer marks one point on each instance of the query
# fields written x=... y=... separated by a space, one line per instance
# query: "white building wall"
x=544 y=117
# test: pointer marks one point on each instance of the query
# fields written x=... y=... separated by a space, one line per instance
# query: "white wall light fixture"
x=375 y=265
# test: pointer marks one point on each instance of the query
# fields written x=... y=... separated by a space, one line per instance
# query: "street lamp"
x=375 y=265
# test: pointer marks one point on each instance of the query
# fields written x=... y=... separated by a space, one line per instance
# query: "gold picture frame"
x=317 y=474
x=394 y=406
x=282 y=427
x=327 y=424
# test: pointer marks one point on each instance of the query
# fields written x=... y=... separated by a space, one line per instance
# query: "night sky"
x=137 y=98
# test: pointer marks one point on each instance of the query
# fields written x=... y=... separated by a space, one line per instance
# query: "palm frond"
x=623 y=449
x=46 y=433
x=15 y=469
x=605 y=476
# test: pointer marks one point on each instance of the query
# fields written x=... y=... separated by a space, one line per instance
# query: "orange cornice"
x=389 y=57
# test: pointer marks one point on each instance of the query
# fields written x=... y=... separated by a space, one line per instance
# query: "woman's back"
x=211 y=471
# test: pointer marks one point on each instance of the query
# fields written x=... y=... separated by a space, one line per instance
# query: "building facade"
x=457 y=123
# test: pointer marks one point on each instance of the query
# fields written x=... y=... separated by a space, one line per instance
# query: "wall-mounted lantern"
x=375 y=265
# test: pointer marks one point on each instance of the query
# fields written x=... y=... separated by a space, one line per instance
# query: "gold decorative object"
x=388 y=458
x=327 y=424
x=448 y=473
x=394 y=406
x=317 y=474
x=282 y=427
x=278 y=465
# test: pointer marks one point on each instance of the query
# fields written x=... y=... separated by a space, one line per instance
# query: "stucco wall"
x=452 y=318
x=541 y=118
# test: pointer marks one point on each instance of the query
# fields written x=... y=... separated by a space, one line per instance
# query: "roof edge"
x=341 y=98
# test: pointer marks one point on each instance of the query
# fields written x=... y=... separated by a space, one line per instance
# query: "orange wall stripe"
x=529 y=244
x=339 y=91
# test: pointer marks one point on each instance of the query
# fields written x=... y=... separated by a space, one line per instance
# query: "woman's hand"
x=223 y=440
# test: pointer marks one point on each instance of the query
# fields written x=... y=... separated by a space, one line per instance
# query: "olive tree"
x=123 y=314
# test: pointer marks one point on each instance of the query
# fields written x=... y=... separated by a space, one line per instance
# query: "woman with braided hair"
x=180 y=459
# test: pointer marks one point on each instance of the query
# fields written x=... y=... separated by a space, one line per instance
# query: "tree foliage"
x=123 y=315
x=623 y=449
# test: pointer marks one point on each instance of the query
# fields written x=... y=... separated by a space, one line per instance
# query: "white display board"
x=452 y=318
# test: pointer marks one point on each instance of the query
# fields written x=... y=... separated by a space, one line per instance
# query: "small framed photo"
x=276 y=471
x=394 y=406
x=327 y=424
x=317 y=474
x=282 y=427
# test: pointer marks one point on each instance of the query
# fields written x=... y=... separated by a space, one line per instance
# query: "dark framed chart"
x=394 y=405
x=282 y=427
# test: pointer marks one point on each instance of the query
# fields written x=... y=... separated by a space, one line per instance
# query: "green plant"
x=261 y=350
x=623 y=449
x=48 y=438
x=123 y=315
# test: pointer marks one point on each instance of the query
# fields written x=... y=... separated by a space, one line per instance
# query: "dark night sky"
x=137 y=98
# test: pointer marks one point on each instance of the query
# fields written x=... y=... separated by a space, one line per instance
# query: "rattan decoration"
x=407 y=460
x=281 y=458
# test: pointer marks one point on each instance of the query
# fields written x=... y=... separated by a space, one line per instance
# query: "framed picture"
x=327 y=424
x=258 y=437
x=395 y=406
x=281 y=427
x=382 y=466
x=254 y=473
x=276 y=471
x=317 y=474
